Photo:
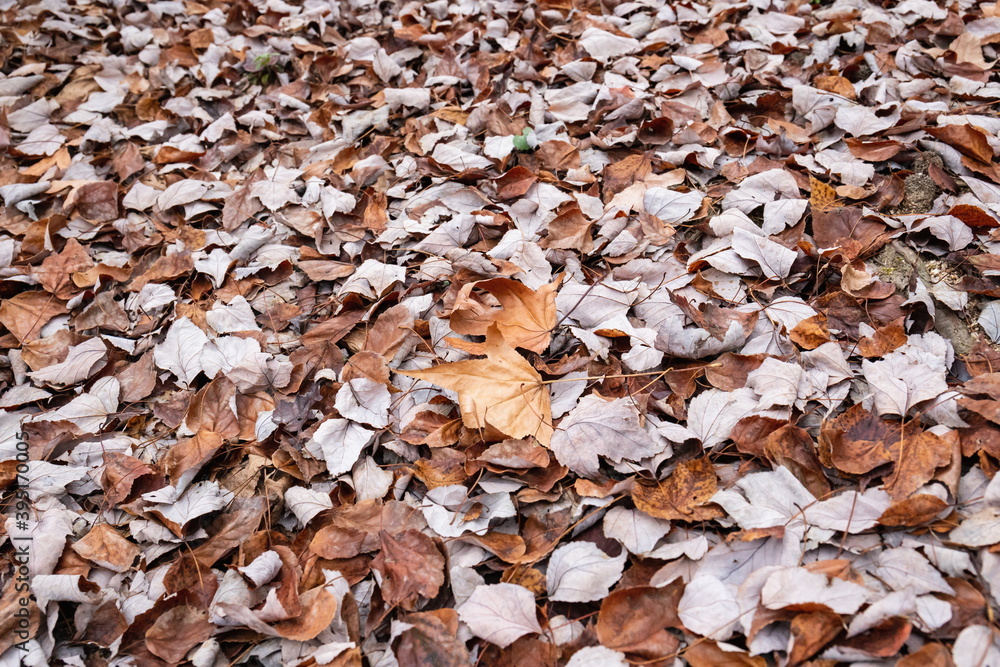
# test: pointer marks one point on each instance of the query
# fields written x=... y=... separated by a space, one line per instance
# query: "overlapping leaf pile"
x=501 y=333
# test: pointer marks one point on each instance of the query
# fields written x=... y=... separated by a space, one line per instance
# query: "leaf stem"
x=626 y=375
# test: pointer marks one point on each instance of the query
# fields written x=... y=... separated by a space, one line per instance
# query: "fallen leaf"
x=411 y=566
x=526 y=317
x=598 y=428
x=502 y=391
x=177 y=631
x=683 y=495
x=500 y=613
x=26 y=313
x=105 y=547
x=580 y=572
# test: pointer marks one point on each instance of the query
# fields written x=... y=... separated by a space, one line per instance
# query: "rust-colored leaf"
x=411 y=566
x=683 y=496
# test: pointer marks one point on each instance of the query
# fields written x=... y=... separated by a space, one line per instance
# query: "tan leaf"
x=502 y=390
x=966 y=139
x=811 y=632
x=104 y=546
x=178 y=631
x=430 y=640
x=822 y=197
x=916 y=457
x=120 y=473
x=913 y=511
x=319 y=607
x=54 y=273
x=836 y=84
x=24 y=315
x=526 y=319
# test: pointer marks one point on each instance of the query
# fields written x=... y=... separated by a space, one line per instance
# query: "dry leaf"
x=502 y=391
x=526 y=317
x=683 y=495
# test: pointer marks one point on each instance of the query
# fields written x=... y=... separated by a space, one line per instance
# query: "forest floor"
x=499 y=333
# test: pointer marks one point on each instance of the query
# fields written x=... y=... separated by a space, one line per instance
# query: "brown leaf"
x=733 y=369
x=226 y=532
x=836 y=227
x=683 y=496
x=411 y=566
x=836 y=84
x=623 y=173
x=209 y=409
x=105 y=625
x=974 y=216
x=929 y=655
x=354 y=529
x=127 y=161
x=120 y=473
x=966 y=139
x=630 y=617
x=811 y=632
x=558 y=155
x=515 y=454
x=917 y=456
x=885 y=339
x=187 y=457
x=138 y=379
x=104 y=313
x=167 y=267
x=515 y=182
x=913 y=511
x=97 y=202
x=52 y=349
x=105 y=547
x=54 y=272
x=25 y=314
x=432 y=429
x=811 y=332
x=508 y=548
x=982 y=358
x=390 y=332
x=884 y=640
x=857 y=441
x=873 y=151
x=750 y=433
x=19 y=615
x=792 y=447
x=708 y=654
x=431 y=640
x=319 y=608
x=177 y=631
x=570 y=230
x=502 y=390
x=522 y=653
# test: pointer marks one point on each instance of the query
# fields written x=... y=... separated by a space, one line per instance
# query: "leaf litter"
x=494 y=333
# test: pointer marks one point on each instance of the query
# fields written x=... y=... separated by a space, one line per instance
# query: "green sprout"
x=264 y=70
x=525 y=141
